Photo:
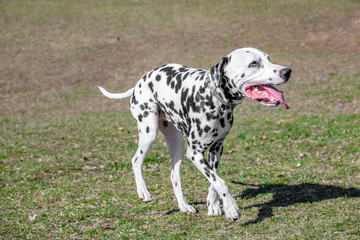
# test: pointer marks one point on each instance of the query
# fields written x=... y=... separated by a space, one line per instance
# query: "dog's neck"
x=221 y=91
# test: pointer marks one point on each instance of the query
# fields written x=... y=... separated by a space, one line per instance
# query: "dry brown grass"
x=52 y=62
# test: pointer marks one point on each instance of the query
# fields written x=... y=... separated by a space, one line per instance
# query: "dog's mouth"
x=266 y=95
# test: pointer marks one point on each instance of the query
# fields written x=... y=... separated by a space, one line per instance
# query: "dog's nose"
x=285 y=73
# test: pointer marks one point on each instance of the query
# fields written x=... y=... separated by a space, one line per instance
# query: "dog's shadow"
x=287 y=195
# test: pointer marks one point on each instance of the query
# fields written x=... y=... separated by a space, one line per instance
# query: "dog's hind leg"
x=175 y=142
x=148 y=128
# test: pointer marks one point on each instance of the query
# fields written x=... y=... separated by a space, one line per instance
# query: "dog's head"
x=249 y=72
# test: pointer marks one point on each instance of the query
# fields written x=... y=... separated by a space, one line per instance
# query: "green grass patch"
x=74 y=177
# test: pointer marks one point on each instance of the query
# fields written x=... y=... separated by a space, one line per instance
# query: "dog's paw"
x=231 y=209
x=144 y=194
x=186 y=208
x=214 y=209
x=233 y=213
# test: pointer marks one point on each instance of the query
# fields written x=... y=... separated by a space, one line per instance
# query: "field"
x=65 y=150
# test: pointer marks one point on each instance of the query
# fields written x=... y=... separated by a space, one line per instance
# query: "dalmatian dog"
x=198 y=104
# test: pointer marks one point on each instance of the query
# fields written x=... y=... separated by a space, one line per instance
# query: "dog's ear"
x=217 y=71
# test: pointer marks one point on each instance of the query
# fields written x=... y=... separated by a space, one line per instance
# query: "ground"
x=65 y=150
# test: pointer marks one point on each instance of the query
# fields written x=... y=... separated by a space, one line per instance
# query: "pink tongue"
x=278 y=95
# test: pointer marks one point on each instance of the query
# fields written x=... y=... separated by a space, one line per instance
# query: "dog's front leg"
x=213 y=202
x=231 y=208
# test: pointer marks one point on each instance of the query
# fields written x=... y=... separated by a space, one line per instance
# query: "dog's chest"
x=216 y=129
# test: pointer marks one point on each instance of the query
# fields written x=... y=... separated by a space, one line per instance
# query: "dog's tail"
x=116 y=95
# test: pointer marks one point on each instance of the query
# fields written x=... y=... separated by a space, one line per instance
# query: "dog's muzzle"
x=285 y=74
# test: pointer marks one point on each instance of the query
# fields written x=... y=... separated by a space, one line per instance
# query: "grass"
x=77 y=182
x=65 y=151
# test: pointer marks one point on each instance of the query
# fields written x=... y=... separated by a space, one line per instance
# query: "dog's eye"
x=254 y=64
